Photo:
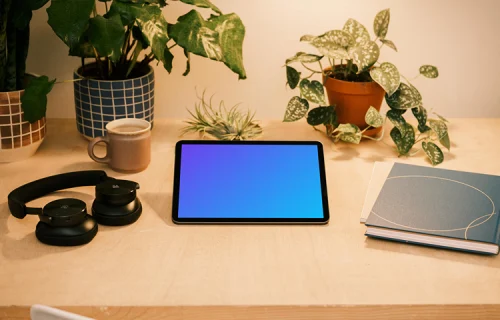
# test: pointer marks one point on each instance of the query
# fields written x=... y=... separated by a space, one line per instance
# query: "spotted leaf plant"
x=352 y=54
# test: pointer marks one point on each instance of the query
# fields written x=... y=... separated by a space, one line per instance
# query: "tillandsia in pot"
x=120 y=39
x=23 y=96
x=348 y=63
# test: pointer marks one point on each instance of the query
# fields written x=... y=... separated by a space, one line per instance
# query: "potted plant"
x=121 y=44
x=23 y=97
x=356 y=84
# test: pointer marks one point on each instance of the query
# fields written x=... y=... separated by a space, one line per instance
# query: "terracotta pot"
x=19 y=139
x=353 y=99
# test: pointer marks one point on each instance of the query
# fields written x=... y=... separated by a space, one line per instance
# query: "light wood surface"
x=329 y=270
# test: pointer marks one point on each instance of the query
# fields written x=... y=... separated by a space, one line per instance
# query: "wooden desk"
x=154 y=269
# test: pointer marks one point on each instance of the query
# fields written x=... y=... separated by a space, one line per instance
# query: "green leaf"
x=203 y=4
x=161 y=3
x=312 y=91
x=365 y=55
x=107 y=36
x=439 y=127
x=69 y=19
x=84 y=49
x=374 y=118
x=293 y=77
x=188 y=63
x=320 y=115
x=333 y=44
x=154 y=29
x=348 y=128
x=398 y=121
x=34 y=99
x=387 y=76
x=406 y=142
x=381 y=23
x=389 y=43
x=350 y=137
x=296 y=109
x=433 y=152
x=441 y=130
x=404 y=98
x=420 y=114
x=219 y=38
x=128 y=12
x=307 y=38
x=429 y=71
x=303 y=57
x=357 y=31
x=349 y=133
x=137 y=34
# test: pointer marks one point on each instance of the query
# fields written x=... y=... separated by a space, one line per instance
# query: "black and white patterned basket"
x=98 y=102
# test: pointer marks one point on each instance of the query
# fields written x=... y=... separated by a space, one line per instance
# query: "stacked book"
x=433 y=207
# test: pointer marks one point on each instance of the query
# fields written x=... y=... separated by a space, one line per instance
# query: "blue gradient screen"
x=234 y=181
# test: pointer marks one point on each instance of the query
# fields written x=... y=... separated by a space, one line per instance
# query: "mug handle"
x=92 y=143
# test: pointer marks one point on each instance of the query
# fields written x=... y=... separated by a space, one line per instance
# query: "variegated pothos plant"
x=352 y=55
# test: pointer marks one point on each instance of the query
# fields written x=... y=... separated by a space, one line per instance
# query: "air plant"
x=221 y=123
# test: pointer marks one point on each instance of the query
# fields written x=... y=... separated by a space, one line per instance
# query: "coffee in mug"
x=128 y=145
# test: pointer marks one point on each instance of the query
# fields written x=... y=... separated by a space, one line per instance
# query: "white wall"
x=461 y=37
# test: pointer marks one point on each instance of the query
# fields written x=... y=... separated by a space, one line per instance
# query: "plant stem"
x=310 y=68
x=123 y=57
x=349 y=66
x=106 y=5
x=98 y=63
x=22 y=46
x=10 y=69
x=321 y=67
x=332 y=64
x=137 y=52
x=309 y=75
x=172 y=46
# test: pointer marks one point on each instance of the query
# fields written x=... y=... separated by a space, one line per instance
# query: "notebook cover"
x=440 y=202
x=380 y=172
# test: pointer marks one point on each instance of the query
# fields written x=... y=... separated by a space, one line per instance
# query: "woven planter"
x=19 y=139
x=98 y=102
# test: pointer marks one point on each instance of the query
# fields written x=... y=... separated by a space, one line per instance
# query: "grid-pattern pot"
x=100 y=101
x=19 y=139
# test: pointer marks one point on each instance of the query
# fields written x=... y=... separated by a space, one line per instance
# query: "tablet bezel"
x=175 y=196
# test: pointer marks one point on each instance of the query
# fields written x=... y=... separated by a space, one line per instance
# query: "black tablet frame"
x=176 y=186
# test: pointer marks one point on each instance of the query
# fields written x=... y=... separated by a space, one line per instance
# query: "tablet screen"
x=249 y=181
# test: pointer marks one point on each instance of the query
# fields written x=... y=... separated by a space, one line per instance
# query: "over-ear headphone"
x=65 y=222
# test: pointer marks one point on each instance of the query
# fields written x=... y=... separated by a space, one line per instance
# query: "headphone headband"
x=19 y=197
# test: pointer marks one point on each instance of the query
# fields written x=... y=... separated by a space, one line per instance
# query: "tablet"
x=278 y=182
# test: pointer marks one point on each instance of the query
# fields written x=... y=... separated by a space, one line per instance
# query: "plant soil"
x=341 y=73
x=90 y=71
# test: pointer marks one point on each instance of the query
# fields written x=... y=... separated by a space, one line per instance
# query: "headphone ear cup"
x=76 y=235
x=113 y=215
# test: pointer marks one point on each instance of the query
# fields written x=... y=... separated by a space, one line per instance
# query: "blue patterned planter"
x=98 y=102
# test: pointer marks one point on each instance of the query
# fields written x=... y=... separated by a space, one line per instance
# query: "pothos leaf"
x=348 y=133
x=296 y=109
x=404 y=98
x=107 y=36
x=307 y=38
x=312 y=91
x=387 y=76
x=398 y=121
x=357 y=31
x=350 y=137
x=433 y=152
x=333 y=44
x=390 y=44
x=320 y=115
x=406 y=142
x=293 y=77
x=365 y=55
x=439 y=127
x=429 y=71
x=303 y=57
x=347 y=128
x=381 y=23
x=420 y=114
x=374 y=118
